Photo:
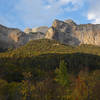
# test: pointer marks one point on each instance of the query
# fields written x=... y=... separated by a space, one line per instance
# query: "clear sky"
x=34 y=13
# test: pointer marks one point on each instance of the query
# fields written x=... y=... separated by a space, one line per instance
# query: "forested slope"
x=47 y=70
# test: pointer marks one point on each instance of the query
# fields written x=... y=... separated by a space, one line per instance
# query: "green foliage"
x=28 y=72
x=62 y=74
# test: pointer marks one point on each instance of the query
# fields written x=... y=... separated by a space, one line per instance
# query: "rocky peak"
x=13 y=38
x=2 y=27
x=28 y=30
x=42 y=29
x=57 y=23
x=68 y=32
x=70 y=22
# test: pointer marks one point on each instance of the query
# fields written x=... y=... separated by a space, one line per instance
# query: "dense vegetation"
x=47 y=70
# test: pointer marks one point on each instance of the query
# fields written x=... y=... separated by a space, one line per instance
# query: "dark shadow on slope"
x=11 y=69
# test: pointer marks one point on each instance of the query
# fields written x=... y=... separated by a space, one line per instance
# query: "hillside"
x=46 y=46
x=49 y=68
x=48 y=53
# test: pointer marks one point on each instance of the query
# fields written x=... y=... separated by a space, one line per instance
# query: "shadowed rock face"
x=35 y=36
x=68 y=32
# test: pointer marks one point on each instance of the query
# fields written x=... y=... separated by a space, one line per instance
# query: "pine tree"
x=62 y=76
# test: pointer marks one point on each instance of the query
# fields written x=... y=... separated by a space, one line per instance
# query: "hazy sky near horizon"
x=34 y=13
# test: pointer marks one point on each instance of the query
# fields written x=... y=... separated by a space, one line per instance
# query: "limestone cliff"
x=42 y=29
x=68 y=32
x=11 y=37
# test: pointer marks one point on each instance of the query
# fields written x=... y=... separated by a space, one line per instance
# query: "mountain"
x=13 y=38
x=49 y=69
x=36 y=33
x=68 y=32
x=42 y=29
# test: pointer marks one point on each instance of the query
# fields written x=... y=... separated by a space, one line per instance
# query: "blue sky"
x=34 y=13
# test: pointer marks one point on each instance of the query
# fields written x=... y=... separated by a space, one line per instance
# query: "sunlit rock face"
x=11 y=37
x=28 y=30
x=68 y=32
x=36 y=33
x=42 y=29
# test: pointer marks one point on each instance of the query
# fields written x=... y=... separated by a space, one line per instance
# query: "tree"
x=62 y=76
x=27 y=86
x=82 y=89
x=3 y=90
